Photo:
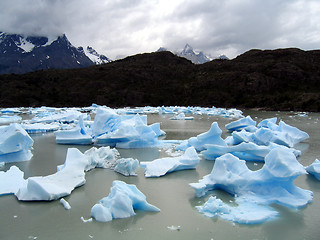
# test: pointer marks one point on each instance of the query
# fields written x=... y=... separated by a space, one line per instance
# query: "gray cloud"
x=126 y=27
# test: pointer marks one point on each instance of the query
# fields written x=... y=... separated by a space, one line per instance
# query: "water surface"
x=171 y=193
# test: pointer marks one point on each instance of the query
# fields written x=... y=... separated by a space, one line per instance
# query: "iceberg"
x=213 y=136
x=127 y=166
x=181 y=116
x=111 y=129
x=269 y=132
x=273 y=183
x=78 y=135
x=15 y=144
x=69 y=176
x=245 y=213
x=314 y=169
x=11 y=180
x=66 y=116
x=121 y=203
x=6 y=119
x=161 y=166
x=242 y=123
x=40 y=127
x=248 y=151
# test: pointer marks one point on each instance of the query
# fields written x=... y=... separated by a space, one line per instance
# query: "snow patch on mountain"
x=94 y=55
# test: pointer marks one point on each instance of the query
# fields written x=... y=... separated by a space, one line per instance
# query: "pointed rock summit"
x=21 y=54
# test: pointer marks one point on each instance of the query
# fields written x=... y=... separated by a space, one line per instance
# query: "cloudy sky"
x=126 y=27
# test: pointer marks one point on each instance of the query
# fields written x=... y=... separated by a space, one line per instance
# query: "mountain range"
x=281 y=79
x=21 y=54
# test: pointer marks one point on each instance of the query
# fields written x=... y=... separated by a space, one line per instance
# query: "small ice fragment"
x=86 y=220
x=65 y=204
x=174 y=228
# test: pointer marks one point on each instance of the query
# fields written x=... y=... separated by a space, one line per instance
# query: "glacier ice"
x=248 y=151
x=78 y=135
x=273 y=183
x=127 y=166
x=112 y=129
x=161 y=166
x=69 y=175
x=7 y=119
x=242 y=123
x=121 y=203
x=181 y=116
x=314 y=169
x=15 y=144
x=40 y=127
x=213 y=136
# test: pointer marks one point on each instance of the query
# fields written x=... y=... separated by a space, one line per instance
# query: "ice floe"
x=15 y=144
x=69 y=175
x=314 y=169
x=273 y=183
x=161 y=166
x=121 y=203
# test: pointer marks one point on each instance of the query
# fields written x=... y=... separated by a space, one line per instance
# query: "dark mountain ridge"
x=282 y=79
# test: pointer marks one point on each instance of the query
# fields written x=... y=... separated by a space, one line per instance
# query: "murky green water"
x=171 y=193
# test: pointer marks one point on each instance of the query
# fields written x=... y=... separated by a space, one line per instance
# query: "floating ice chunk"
x=11 y=180
x=15 y=144
x=161 y=166
x=121 y=203
x=103 y=157
x=246 y=213
x=241 y=124
x=67 y=116
x=69 y=176
x=264 y=123
x=127 y=131
x=6 y=119
x=40 y=127
x=77 y=135
x=174 y=228
x=86 y=220
x=273 y=183
x=314 y=169
x=293 y=135
x=65 y=204
x=246 y=151
x=181 y=116
x=59 y=184
x=213 y=136
x=2 y=164
x=127 y=166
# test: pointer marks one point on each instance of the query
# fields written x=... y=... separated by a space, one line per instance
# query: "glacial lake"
x=171 y=193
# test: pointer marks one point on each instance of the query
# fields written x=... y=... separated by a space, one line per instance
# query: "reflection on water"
x=171 y=193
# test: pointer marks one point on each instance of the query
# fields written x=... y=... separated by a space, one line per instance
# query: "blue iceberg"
x=314 y=169
x=69 y=175
x=273 y=183
x=161 y=166
x=121 y=203
x=242 y=123
x=213 y=136
x=15 y=144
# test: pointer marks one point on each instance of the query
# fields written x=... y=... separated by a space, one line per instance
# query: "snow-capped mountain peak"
x=94 y=55
x=21 y=54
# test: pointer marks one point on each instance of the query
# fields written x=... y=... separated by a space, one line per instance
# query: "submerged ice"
x=121 y=203
x=273 y=183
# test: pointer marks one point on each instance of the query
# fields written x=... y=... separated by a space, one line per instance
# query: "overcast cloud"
x=126 y=27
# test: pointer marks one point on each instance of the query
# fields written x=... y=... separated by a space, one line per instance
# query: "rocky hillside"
x=283 y=79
